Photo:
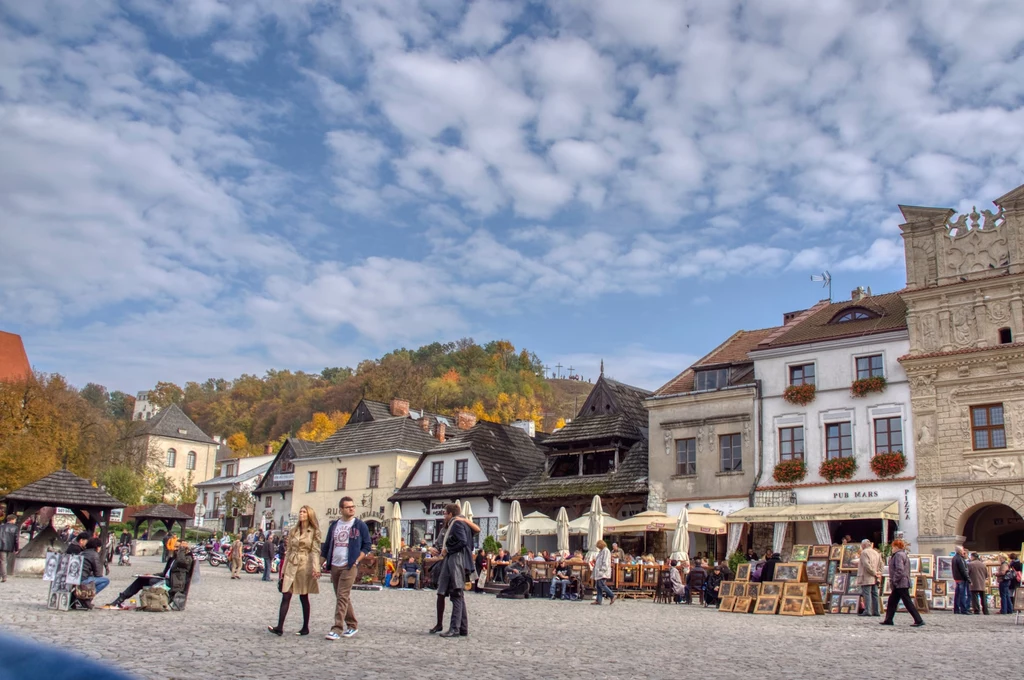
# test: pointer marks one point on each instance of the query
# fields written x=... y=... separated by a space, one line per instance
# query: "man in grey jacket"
x=869 y=571
x=9 y=535
x=457 y=569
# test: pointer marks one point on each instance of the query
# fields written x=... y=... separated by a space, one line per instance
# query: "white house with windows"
x=819 y=355
x=177 y=447
x=236 y=474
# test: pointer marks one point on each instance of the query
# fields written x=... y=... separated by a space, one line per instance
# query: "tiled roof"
x=612 y=409
x=591 y=427
x=629 y=479
x=378 y=409
x=171 y=422
x=816 y=326
x=161 y=511
x=293 y=446
x=65 y=489
x=13 y=360
x=630 y=400
x=390 y=434
x=430 y=491
x=731 y=352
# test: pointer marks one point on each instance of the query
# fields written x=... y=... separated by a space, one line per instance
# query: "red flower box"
x=801 y=395
x=790 y=471
x=864 y=386
x=838 y=468
x=888 y=464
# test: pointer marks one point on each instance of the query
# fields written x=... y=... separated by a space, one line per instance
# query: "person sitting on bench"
x=411 y=572
x=176 y=576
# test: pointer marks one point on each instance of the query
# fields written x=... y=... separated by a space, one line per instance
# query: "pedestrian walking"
x=1018 y=578
x=300 y=569
x=1006 y=576
x=899 y=573
x=601 y=567
x=348 y=541
x=961 y=594
x=869 y=572
x=235 y=557
x=456 y=570
x=9 y=539
x=435 y=570
x=978 y=575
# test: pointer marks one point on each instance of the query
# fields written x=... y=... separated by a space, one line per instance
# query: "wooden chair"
x=664 y=594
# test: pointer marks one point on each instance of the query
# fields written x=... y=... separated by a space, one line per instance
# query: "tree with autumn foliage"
x=321 y=426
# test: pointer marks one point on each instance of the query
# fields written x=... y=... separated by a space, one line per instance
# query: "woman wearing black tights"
x=299 y=569
x=436 y=570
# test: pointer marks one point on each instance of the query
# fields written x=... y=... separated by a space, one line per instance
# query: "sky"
x=210 y=187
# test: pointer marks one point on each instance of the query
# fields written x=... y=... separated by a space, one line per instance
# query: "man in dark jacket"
x=456 y=570
x=768 y=570
x=267 y=550
x=92 y=568
x=9 y=535
x=978 y=576
x=77 y=546
x=962 y=578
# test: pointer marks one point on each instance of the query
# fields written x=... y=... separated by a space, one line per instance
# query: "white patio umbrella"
x=537 y=524
x=681 y=539
x=595 y=528
x=562 y=530
x=467 y=511
x=395 y=528
x=581 y=525
x=515 y=521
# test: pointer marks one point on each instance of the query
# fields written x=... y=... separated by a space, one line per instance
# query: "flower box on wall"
x=888 y=464
x=801 y=395
x=838 y=468
x=790 y=471
x=864 y=386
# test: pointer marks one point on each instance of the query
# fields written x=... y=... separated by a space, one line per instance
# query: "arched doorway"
x=993 y=527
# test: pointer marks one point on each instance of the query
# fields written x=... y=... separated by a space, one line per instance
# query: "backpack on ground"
x=154 y=599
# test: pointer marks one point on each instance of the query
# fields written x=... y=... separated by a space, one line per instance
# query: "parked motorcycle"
x=216 y=559
x=251 y=563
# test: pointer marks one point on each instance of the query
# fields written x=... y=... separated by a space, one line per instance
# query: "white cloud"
x=882 y=254
x=236 y=51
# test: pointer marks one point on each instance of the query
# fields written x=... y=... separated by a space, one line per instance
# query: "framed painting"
x=51 y=603
x=743 y=571
x=819 y=551
x=727 y=604
x=766 y=604
x=74 y=575
x=753 y=590
x=886 y=586
x=743 y=605
x=823 y=592
x=850 y=604
x=833 y=567
x=850 y=559
x=939 y=589
x=927 y=565
x=800 y=553
x=772 y=588
x=809 y=607
x=836 y=553
x=939 y=603
x=839 y=582
x=915 y=564
x=851 y=585
x=789 y=571
x=944 y=568
x=50 y=570
x=725 y=590
x=816 y=569
x=834 y=603
x=64 y=601
x=792 y=606
x=795 y=590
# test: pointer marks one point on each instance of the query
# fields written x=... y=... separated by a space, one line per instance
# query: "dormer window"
x=854 y=314
x=713 y=379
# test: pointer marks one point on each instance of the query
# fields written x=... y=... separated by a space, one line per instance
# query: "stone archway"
x=961 y=510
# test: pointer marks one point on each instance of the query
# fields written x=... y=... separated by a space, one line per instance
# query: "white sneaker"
x=332 y=636
x=350 y=632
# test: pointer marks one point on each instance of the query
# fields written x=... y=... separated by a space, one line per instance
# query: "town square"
x=511 y=338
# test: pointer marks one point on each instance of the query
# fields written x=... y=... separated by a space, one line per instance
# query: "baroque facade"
x=965 y=311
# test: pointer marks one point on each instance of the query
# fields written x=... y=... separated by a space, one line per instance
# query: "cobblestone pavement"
x=222 y=634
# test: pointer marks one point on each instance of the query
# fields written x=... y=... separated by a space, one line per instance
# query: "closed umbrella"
x=562 y=530
x=681 y=539
x=467 y=512
x=515 y=520
x=395 y=528
x=595 y=530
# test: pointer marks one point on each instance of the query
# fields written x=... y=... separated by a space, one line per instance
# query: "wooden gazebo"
x=64 y=489
x=161 y=512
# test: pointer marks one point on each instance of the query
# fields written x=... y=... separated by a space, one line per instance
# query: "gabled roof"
x=13 y=360
x=239 y=478
x=292 y=448
x=65 y=489
x=612 y=409
x=506 y=454
x=172 y=423
x=367 y=410
x=732 y=352
x=630 y=479
x=815 y=324
x=161 y=511
x=390 y=434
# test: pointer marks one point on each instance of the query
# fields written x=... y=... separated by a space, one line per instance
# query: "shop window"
x=838 y=440
x=870 y=367
x=731 y=448
x=801 y=375
x=462 y=471
x=437 y=472
x=1005 y=336
x=598 y=462
x=172 y=457
x=311 y=482
x=565 y=466
x=987 y=428
x=374 y=480
x=791 y=443
x=342 y=479
x=888 y=435
x=686 y=457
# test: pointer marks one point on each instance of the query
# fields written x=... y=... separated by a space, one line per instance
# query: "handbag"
x=85 y=591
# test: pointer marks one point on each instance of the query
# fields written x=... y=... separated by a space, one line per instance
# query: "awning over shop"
x=818 y=512
x=705 y=521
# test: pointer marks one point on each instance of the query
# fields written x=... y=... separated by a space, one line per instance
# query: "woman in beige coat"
x=300 y=568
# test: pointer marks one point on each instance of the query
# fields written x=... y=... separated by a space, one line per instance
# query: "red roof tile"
x=13 y=360
x=816 y=325
x=732 y=351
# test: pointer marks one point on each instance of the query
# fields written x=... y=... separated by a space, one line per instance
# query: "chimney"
x=425 y=424
x=464 y=420
x=400 y=407
x=440 y=431
x=858 y=293
x=268 y=449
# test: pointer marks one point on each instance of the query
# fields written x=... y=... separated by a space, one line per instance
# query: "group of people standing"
x=971 y=575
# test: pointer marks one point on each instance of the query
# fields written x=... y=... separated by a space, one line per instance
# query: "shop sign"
x=856 y=495
x=437 y=509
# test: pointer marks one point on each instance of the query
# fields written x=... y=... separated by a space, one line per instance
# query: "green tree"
x=120 y=406
x=124 y=484
x=159 y=488
x=188 y=492
x=165 y=394
x=97 y=396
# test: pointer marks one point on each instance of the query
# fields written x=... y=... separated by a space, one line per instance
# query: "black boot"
x=450 y=633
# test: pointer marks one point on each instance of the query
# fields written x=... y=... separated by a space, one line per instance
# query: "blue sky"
x=210 y=187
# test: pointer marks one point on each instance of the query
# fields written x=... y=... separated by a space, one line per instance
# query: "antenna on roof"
x=826 y=278
x=602 y=368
